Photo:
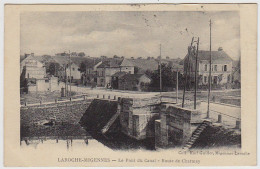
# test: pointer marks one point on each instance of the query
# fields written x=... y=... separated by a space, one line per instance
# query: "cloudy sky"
x=129 y=34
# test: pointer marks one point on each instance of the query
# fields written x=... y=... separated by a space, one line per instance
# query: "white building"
x=221 y=66
x=33 y=67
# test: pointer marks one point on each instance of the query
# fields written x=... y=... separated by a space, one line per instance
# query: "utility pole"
x=66 y=87
x=177 y=85
x=160 y=69
x=209 y=80
x=70 y=71
x=196 y=71
x=186 y=71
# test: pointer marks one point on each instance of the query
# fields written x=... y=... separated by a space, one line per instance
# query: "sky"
x=129 y=34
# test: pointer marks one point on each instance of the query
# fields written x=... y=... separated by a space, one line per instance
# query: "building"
x=221 y=66
x=106 y=69
x=136 y=82
x=139 y=66
x=128 y=66
x=90 y=75
x=73 y=72
x=65 y=71
x=115 y=79
x=33 y=67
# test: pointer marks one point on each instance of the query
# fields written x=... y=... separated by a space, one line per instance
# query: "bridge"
x=159 y=118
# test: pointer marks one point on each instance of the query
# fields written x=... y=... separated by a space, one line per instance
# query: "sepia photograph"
x=131 y=85
x=130 y=80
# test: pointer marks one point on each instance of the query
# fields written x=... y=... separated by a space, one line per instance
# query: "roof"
x=89 y=62
x=119 y=74
x=143 y=64
x=31 y=56
x=215 y=56
x=62 y=60
x=111 y=63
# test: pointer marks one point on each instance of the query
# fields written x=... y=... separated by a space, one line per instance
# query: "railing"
x=59 y=100
x=71 y=99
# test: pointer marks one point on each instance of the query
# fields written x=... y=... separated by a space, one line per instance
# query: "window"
x=205 y=79
x=215 y=67
x=73 y=69
x=225 y=68
x=205 y=68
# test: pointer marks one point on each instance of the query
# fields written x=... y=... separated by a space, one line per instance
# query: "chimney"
x=220 y=49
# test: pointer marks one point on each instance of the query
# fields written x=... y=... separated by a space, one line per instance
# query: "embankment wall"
x=64 y=112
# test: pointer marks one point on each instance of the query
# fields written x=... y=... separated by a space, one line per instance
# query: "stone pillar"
x=157 y=135
x=164 y=130
x=219 y=118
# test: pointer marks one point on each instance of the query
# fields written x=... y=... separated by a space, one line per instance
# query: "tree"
x=53 y=68
x=81 y=54
x=82 y=67
x=168 y=77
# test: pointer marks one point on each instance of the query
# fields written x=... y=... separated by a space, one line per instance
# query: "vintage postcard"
x=130 y=85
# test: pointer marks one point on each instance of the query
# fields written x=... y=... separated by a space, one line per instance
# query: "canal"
x=73 y=137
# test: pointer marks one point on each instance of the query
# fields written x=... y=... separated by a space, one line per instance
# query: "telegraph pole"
x=177 y=85
x=186 y=71
x=70 y=71
x=66 y=87
x=196 y=71
x=209 y=80
x=160 y=69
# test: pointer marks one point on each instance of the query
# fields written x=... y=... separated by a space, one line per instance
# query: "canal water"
x=73 y=137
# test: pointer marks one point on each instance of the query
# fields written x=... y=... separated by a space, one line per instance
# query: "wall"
x=220 y=70
x=128 y=69
x=48 y=85
x=137 y=116
x=75 y=73
x=69 y=112
x=35 y=72
x=41 y=85
x=174 y=127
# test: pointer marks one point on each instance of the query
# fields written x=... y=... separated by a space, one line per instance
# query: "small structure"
x=136 y=82
x=115 y=79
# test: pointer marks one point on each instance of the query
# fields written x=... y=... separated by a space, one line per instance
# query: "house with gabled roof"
x=221 y=66
x=33 y=67
x=106 y=69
